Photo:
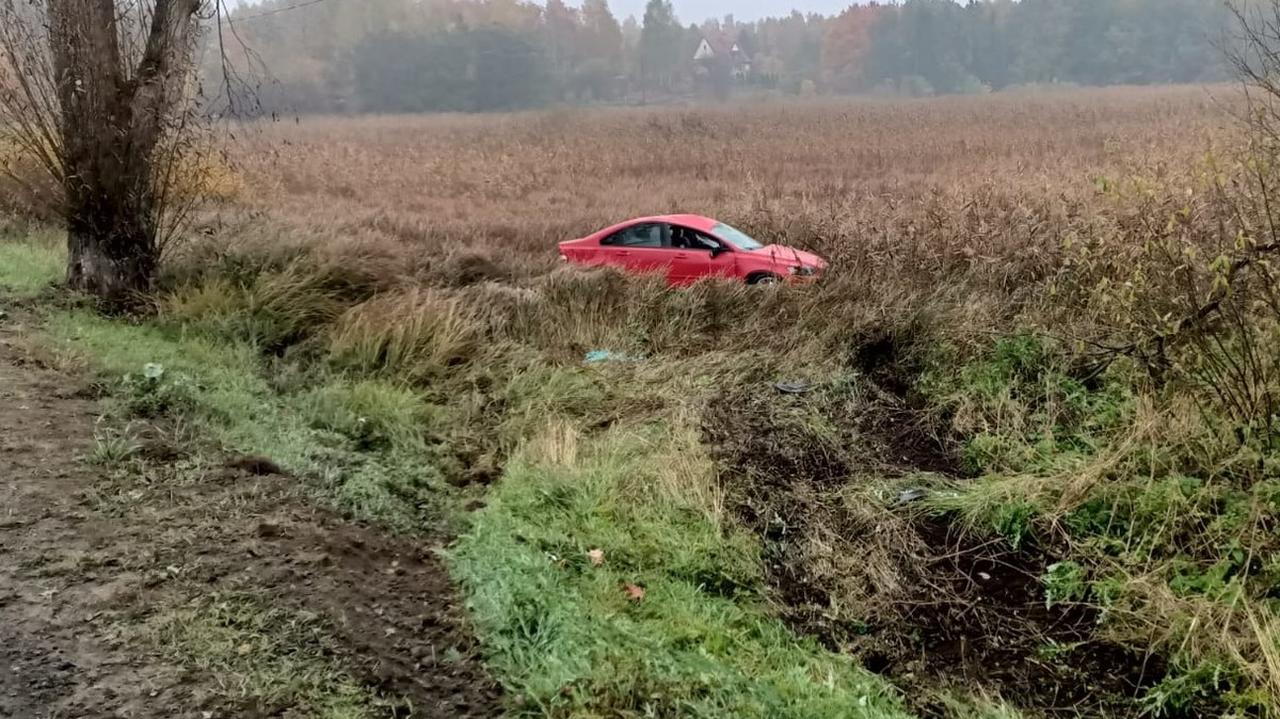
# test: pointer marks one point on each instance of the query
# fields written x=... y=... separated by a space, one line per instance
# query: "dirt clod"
x=255 y=466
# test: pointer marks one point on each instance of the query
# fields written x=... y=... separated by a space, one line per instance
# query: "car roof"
x=697 y=222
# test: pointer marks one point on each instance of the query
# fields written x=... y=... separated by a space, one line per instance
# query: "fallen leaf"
x=596 y=556
x=634 y=592
x=244 y=649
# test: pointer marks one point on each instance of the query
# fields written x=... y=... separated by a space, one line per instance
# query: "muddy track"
x=925 y=605
x=86 y=562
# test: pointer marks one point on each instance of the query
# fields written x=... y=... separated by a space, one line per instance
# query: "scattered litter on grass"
x=794 y=387
x=596 y=556
x=601 y=356
x=912 y=495
x=634 y=592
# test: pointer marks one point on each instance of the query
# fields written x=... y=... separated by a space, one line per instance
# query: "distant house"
x=720 y=51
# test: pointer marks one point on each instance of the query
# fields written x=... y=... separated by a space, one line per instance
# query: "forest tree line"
x=483 y=55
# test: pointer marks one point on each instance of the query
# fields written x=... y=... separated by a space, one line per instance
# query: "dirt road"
x=114 y=583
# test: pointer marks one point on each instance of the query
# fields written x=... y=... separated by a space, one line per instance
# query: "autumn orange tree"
x=847 y=47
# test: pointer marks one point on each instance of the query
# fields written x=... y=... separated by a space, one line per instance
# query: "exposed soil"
x=977 y=616
x=86 y=559
x=924 y=606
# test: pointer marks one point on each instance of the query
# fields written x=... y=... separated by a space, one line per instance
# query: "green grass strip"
x=569 y=641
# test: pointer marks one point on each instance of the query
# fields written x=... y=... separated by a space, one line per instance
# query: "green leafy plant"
x=153 y=392
x=1013 y=521
x=1188 y=686
x=1064 y=582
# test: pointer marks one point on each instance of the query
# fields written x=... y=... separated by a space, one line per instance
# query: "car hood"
x=790 y=256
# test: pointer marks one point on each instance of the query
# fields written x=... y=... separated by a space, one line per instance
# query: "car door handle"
x=624 y=253
x=682 y=255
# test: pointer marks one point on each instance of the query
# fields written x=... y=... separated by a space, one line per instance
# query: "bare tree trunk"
x=111 y=250
x=113 y=118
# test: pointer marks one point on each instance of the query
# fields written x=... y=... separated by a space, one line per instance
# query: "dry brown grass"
x=968 y=205
x=973 y=178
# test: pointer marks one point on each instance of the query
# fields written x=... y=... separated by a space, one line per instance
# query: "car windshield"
x=735 y=237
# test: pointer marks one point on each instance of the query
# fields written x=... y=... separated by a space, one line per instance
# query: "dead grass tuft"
x=415 y=333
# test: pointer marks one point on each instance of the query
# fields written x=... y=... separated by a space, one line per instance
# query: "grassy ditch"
x=405 y=425
x=1002 y=487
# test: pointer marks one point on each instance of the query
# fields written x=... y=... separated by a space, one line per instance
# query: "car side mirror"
x=717 y=251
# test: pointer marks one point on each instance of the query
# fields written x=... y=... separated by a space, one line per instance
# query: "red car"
x=688 y=248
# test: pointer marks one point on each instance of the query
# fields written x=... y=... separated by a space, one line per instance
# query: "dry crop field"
x=823 y=172
x=1035 y=472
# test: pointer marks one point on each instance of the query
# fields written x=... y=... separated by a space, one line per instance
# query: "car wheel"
x=764 y=279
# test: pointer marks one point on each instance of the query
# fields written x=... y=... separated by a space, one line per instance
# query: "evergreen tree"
x=602 y=48
x=562 y=34
x=660 y=45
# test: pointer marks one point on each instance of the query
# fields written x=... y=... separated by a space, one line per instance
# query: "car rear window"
x=637 y=236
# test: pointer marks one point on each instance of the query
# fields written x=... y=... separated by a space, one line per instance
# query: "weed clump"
x=273 y=309
x=270 y=656
x=373 y=414
x=417 y=334
x=153 y=393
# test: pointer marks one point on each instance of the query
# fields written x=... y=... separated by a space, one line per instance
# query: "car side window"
x=683 y=238
x=649 y=235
